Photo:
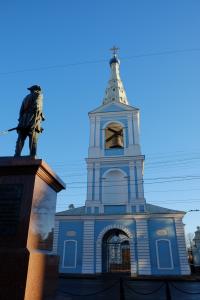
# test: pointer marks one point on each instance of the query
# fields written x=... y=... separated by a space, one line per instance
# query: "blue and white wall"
x=155 y=248
x=163 y=247
x=70 y=246
x=115 y=176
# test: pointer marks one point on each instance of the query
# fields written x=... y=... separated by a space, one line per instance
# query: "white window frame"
x=75 y=254
x=170 y=253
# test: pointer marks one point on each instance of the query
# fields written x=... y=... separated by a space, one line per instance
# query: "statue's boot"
x=33 y=150
x=33 y=144
x=19 y=145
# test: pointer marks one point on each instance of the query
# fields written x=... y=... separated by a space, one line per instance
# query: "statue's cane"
x=7 y=131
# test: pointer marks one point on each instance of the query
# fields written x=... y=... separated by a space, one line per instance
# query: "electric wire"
x=178 y=158
x=87 y=62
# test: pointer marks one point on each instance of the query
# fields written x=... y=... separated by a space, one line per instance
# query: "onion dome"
x=115 y=60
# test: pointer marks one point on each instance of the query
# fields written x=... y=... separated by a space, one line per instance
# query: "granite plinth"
x=28 y=191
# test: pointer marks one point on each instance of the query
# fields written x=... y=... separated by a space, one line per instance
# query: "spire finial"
x=114 y=50
x=115 y=91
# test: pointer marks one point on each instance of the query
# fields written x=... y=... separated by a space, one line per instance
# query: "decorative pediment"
x=113 y=107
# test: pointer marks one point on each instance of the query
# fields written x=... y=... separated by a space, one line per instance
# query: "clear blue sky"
x=64 y=46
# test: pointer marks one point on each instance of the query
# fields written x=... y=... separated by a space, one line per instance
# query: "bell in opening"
x=117 y=142
x=114 y=136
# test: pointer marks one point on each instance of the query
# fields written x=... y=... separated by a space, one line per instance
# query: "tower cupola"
x=115 y=91
x=114 y=60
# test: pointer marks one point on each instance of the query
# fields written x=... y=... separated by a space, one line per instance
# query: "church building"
x=116 y=230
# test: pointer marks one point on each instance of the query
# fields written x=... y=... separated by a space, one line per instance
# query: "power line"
x=171 y=178
x=67 y=192
x=169 y=202
x=172 y=161
x=196 y=155
x=161 y=53
x=87 y=62
x=193 y=200
x=117 y=185
x=147 y=169
x=148 y=164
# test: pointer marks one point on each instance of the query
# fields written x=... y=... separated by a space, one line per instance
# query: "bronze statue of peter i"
x=30 y=118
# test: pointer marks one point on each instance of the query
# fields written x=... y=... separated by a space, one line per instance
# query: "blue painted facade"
x=115 y=206
x=71 y=231
x=163 y=247
x=163 y=230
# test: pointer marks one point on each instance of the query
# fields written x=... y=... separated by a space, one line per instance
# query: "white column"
x=143 y=251
x=136 y=128
x=180 y=235
x=55 y=237
x=97 y=182
x=89 y=181
x=132 y=181
x=92 y=131
x=130 y=129
x=88 y=248
x=139 y=169
x=97 y=134
x=133 y=257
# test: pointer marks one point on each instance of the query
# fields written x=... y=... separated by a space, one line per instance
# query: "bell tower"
x=115 y=162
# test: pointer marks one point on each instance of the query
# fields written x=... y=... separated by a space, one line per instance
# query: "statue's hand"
x=43 y=117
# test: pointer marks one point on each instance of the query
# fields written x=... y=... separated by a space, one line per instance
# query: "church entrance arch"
x=116 y=252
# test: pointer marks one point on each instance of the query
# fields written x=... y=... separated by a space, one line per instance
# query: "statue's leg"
x=20 y=143
x=33 y=138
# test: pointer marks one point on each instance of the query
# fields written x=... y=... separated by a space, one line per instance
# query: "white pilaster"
x=132 y=181
x=97 y=134
x=180 y=235
x=139 y=169
x=133 y=257
x=55 y=237
x=92 y=131
x=88 y=248
x=136 y=128
x=143 y=251
x=89 y=181
x=130 y=129
x=97 y=182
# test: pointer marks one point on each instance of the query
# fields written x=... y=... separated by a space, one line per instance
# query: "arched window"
x=114 y=136
x=114 y=187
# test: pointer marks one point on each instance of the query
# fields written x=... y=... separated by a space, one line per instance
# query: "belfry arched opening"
x=116 y=252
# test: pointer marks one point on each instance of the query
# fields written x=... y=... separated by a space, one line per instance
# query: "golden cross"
x=114 y=50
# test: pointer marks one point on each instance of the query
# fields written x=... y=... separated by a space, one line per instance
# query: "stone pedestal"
x=28 y=191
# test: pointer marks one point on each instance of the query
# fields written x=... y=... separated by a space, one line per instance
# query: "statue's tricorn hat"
x=34 y=88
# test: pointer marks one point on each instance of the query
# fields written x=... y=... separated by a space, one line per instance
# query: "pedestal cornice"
x=29 y=166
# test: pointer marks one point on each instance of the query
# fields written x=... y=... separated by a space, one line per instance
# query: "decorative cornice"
x=115 y=159
x=136 y=216
x=126 y=111
x=26 y=165
x=46 y=174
